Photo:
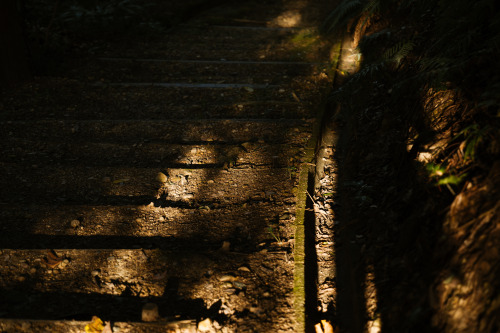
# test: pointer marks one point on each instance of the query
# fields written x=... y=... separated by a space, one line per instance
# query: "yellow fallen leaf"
x=95 y=326
x=324 y=327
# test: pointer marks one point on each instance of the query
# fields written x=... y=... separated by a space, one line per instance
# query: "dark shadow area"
x=383 y=228
x=417 y=190
x=124 y=307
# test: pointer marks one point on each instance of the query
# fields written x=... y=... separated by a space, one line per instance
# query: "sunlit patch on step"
x=289 y=19
x=374 y=324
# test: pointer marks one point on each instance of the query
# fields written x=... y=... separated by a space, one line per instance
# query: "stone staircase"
x=163 y=170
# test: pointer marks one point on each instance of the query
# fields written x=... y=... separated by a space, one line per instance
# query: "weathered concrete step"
x=115 y=284
x=74 y=326
x=204 y=33
x=217 y=43
x=135 y=185
x=64 y=98
x=158 y=70
x=222 y=49
x=164 y=131
x=244 y=225
x=272 y=13
x=248 y=154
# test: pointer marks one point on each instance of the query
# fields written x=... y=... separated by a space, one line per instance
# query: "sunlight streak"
x=371 y=302
x=289 y=19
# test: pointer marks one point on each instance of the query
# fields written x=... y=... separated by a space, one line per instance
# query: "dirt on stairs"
x=163 y=170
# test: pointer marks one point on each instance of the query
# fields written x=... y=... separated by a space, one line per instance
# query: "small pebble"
x=285 y=216
x=94 y=273
x=255 y=310
x=75 y=223
x=205 y=325
x=227 y=278
x=161 y=177
x=239 y=285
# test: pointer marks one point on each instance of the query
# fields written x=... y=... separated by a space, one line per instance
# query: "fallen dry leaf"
x=95 y=326
x=324 y=327
x=52 y=260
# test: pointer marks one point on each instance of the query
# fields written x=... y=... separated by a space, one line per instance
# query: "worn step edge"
x=175 y=74
x=188 y=85
x=248 y=27
x=238 y=62
x=192 y=156
x=140 y=183
x=73 y=326
x=225 y=121
x=89 y=226
x=144 y=267
x=161 y=131
x=271 y=109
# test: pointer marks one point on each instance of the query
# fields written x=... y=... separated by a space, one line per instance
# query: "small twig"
x=314 y=202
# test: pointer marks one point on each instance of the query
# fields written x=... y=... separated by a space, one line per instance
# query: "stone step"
x=202 y=225
x=59 y=98
x=225 y=43
x=118 y=186
x=115 y=284
x=207 y=32
x=159 y=131
x=74 y=326
x=209 y=155
x=223 y=49
x=277 y=14
x=165 y=71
